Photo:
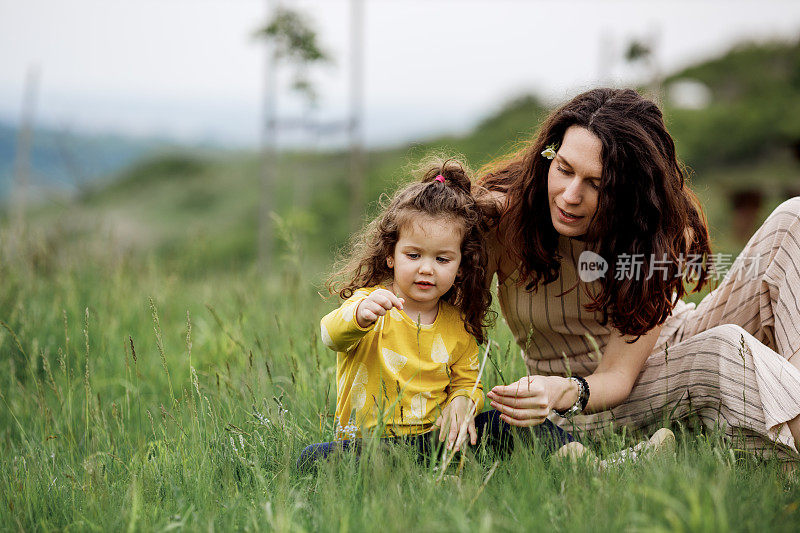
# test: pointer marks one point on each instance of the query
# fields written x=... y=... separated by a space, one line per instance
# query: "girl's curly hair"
x=452 y=199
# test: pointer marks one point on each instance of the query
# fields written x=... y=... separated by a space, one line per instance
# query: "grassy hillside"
x=200 y=212
x=753 y=115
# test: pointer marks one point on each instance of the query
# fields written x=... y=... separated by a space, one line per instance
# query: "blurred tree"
x=643 y=52
x=295 y=42
x=637 y=51
x=291 y=39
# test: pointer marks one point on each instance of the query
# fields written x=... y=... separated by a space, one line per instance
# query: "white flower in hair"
x=550 y=151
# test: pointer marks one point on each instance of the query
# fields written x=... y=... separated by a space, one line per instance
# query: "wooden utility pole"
x=605 y=60
x=655 y=65
x=357 y=181
x=22 y=163
x=269 y=138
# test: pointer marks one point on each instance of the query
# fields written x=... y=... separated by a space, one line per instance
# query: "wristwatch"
x=580 y=403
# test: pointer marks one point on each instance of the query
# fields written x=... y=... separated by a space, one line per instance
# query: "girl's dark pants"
x=492 y=431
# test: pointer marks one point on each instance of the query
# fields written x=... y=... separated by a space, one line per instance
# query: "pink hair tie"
x=439 y=178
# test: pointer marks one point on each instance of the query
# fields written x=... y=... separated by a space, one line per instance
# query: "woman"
x=602 y=177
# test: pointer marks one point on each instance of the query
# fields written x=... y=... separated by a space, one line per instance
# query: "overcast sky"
x=191 y=69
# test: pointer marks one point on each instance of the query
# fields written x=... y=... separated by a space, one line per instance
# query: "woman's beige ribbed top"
x=556 y=334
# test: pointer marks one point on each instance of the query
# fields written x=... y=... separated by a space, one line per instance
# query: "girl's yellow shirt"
x=396 y=372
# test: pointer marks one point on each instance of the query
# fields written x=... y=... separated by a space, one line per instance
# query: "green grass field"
x=134 y=398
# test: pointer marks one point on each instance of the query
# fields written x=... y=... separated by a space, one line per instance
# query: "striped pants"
x=726 y=361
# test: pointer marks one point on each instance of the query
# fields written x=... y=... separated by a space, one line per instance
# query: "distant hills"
x=751 y=114
x=65 y=160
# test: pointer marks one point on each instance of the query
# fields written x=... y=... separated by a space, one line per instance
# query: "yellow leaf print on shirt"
x=439 y=351
x=418 y=407
x=326 y=337
x=474 y=364
x=358 y=392
x=393 y=360
x=358 y=395
x=362 y=376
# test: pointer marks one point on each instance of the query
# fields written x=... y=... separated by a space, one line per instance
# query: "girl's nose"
x=425 y=267
x=572 y=194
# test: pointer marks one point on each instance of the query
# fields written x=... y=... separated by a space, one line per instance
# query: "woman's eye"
x=595 y=185
x=563 y=170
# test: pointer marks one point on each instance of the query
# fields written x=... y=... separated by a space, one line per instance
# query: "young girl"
x=415 y=310
x=415 y=306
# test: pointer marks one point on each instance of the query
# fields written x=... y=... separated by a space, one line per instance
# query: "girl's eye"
x=412 y=255
x=443 y=259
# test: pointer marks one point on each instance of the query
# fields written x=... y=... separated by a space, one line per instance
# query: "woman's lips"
x=567 y=217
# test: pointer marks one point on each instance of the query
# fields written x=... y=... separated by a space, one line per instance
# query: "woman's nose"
x=572 y=194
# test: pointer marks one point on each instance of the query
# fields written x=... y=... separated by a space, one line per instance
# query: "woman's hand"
x=457 y=422
x=378 y=303
x=527 y=402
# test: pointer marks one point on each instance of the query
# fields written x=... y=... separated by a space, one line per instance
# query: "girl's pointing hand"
x=378 y=303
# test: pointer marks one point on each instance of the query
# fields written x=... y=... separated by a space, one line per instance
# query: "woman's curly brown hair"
x=452 y=199
x=645 y=207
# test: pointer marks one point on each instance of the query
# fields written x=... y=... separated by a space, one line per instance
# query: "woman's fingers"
x=526 y=386
x=522 y=403
x=522 y=423
x=529 y=402
x=521 y=414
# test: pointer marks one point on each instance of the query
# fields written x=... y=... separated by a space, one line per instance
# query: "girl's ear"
x=390 y=261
